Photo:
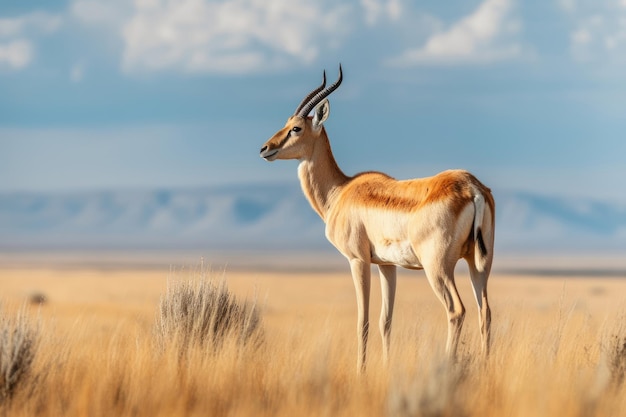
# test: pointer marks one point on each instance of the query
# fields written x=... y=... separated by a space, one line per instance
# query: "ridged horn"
x=319 y=96
x=311 y=95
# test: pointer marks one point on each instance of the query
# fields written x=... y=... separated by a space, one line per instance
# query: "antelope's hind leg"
x=479 y=284
x=441 y=279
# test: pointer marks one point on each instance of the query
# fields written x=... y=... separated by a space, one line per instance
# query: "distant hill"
x=268 y=216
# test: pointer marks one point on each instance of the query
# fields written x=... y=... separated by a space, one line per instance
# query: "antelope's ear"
x=320 y=114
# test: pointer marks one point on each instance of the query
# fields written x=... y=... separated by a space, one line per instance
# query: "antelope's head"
x=296 y=139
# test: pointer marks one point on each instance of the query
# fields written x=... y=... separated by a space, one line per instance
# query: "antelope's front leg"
x=361 y=276
x=388 y=293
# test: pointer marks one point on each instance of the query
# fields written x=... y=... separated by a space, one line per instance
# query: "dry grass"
x=18 y=345
x=558 y=350
x=616 y=353
x=203 y=313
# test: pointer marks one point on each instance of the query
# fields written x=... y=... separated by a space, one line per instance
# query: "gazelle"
x=371 y=218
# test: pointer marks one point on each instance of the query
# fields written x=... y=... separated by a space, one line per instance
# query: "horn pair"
x=316 y=96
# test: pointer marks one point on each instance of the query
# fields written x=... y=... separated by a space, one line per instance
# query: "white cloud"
x=77 y=73
x=567 y=5
x=581 y=37
x=99 y=12
x=16 y=54
x=10 y=27
x=229 y=36
x=598 y=33
x=16 y=44
x=486 y=35
x=39 y=22
x=380 y=9
x=245 y=36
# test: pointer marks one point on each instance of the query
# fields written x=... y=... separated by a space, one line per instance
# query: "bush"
x=18 y=346
x=617 y=358
x=204 y=313
x=432 y=392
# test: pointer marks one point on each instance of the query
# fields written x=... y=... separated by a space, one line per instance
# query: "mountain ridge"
x=270 y=215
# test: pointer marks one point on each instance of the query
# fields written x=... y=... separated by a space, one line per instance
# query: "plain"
x=559 y=348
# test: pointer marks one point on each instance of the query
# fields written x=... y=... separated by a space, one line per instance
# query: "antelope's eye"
x=296 y=129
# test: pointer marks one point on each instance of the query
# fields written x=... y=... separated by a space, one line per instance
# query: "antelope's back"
x=378 y=215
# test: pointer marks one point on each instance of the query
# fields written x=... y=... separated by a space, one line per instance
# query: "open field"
x=556 y=348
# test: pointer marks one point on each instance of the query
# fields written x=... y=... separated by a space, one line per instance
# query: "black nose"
x=263 y=149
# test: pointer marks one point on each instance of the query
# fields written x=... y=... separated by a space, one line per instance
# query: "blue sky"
x=152 y=93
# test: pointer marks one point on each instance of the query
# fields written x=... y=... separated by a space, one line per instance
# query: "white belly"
x=395 y=252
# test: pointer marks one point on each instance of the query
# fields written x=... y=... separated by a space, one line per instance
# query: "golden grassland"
x=556 y=349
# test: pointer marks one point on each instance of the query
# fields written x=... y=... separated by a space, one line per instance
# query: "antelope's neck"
x=320 y=177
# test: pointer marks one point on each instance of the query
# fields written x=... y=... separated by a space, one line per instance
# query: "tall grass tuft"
x=616 y=356
x=203 y=313
x=19 y=339
x=434 y=391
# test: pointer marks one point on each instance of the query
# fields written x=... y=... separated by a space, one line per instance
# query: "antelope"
x=372 y=218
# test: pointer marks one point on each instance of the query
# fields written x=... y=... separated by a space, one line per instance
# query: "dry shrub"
x=18 y=346
x=436 y=391
x=38 y=298
x=203 y=313
x=616 y=357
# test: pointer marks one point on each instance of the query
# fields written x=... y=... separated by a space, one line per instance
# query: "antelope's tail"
x=482 y=255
